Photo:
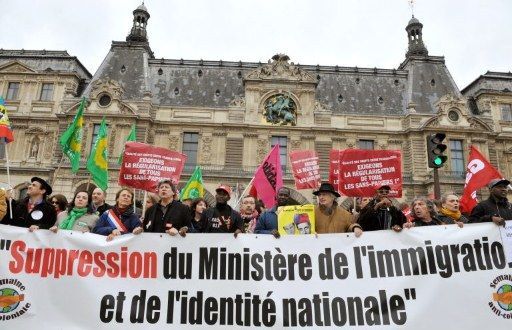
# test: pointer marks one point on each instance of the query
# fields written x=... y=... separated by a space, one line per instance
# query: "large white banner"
x=441 y=277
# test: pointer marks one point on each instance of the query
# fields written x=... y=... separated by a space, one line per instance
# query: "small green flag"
x=97 y=164
x=131 y=137
x=194 y=187
x=71 y=139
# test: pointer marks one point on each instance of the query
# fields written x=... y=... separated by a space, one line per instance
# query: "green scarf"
x=75 y=213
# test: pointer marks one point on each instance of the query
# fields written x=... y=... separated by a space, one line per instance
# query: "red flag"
x=5 y=125
x=479 y=173
x=305 y=169
x=269 y=177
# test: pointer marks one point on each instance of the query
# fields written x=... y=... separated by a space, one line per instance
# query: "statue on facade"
x=280 y=109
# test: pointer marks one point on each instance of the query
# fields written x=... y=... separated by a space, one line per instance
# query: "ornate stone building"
x=222 y=114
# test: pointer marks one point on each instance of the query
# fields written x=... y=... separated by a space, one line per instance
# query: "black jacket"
x=491 y=207
x=369 y=218
x=435 y=222
x=42 y=215
x=449 y=221
x=211 y=222
x=177 y=214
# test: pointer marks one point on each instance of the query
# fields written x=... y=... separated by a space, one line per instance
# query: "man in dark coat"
x=380 y=213
x=168 y=215
x=496 y=208
x=34 y=212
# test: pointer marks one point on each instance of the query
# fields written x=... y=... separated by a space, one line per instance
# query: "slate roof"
x=44 y=60
x=491 y=81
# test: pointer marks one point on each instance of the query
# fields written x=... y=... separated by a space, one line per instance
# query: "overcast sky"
x=473 y=35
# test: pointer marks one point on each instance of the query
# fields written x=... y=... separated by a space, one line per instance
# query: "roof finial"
x=411 y=4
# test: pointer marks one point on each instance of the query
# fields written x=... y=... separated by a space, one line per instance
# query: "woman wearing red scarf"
x=120 y=219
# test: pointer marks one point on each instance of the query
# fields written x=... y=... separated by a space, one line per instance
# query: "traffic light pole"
x=437 y=187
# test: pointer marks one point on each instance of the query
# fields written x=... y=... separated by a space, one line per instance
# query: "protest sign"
x=296 y=219
x=305 y=169
x=383 y=279
x=144 y=165
x=361 y=172
x=334 y=169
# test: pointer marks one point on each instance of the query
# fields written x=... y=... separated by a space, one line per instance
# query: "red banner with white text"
x=361 y=172
x=144 y=165
x=305 y=169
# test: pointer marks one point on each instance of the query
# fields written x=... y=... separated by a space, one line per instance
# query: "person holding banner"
x=267 y=222
x=169 y=215
x=120 y=219
x=449 y=213
x=496 y=208
x=79 y=216
x=249 y=213
x=34 y=212
x=380 y=214
x=424 y=213
x=222 y=218
x=329 y=216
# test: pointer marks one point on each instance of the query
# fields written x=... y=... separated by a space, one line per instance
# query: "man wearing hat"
x=168 y=215
x=329 y=216
x=497 y=207
x=222 y=218
x=380 y=214
x=34 y=212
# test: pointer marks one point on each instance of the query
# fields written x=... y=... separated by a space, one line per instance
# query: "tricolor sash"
x=114 y=221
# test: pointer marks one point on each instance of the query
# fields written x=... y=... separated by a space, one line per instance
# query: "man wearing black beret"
x=34 y=212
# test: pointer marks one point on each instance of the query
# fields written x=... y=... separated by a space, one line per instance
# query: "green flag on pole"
x=97 y=164
x=131 y=137
x=71 y=139
x=194 y=187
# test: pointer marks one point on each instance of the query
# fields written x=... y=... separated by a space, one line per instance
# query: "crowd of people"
x=165 y=213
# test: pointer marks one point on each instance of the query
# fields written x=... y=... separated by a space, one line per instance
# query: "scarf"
x=75 y=213
x=455 y=215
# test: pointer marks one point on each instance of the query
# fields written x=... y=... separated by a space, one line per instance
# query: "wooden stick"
x=8 y=177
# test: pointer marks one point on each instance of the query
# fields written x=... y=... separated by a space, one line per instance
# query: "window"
x=13 y=91
x=457 y=156
x=283 y=149
x=95 y=132
x=506 y=112
x=190 y=143
x=46 y=92
x=365 y=144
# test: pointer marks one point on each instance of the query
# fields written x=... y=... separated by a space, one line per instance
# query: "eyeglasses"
x=54 y=202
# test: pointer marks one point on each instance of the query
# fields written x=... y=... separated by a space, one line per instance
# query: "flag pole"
x=144 y=203
x=134 y=201
x=8 y=176
x=57 y=170
x=243 y=192
x=88 y=183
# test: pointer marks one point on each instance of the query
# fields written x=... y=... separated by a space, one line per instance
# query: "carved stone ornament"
x=238 y=101
x=174 y=142
x=319 y=106
x=296 y=144
x=280 y=68
x=262 y=149
x=110 y=86
x=449 y=101
x=280 y=109
x=206 y=150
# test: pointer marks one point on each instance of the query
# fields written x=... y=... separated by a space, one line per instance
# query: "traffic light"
x=435 y=149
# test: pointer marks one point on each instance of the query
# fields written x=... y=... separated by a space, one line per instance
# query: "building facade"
x=222 y=113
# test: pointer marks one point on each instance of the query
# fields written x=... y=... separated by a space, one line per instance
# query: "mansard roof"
x=490 y=82
x=45 y=60
x=204 y=83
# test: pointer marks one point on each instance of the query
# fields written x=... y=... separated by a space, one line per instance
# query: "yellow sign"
x=296 y=219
